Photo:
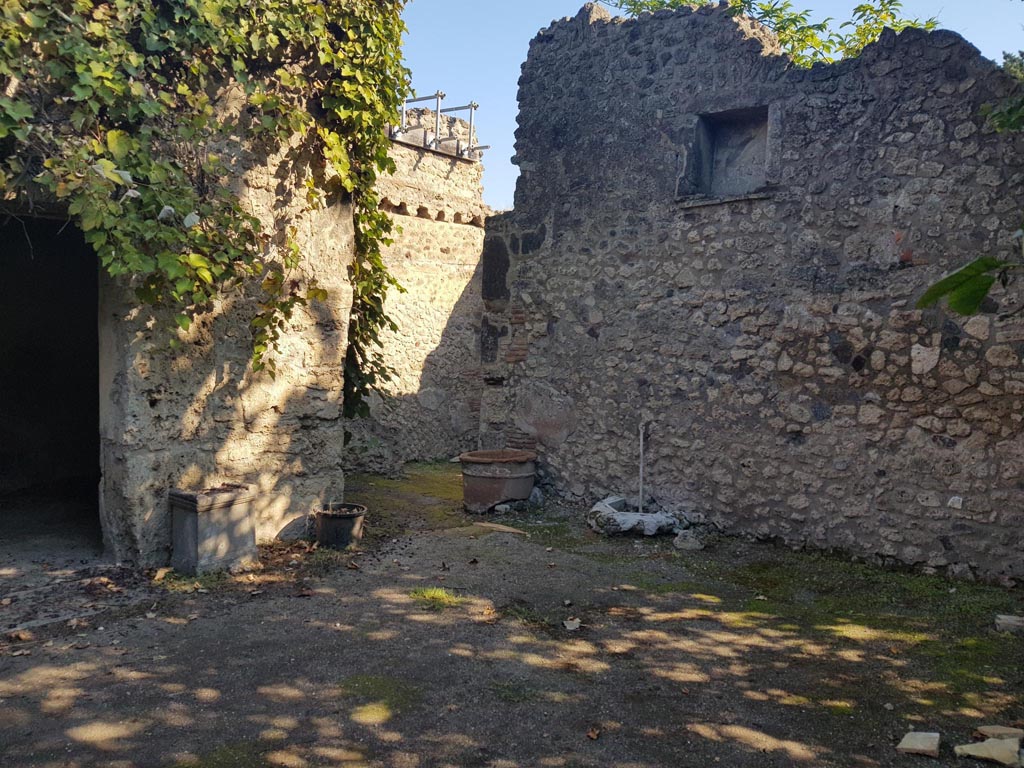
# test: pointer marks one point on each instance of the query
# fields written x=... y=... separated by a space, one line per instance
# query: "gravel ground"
x=443 y=643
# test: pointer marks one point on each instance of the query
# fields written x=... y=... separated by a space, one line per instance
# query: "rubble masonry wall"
x=729 y=248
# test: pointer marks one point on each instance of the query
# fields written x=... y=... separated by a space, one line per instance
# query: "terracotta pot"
x=491 y=477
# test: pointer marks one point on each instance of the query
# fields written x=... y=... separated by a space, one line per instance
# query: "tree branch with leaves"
x=805 y=42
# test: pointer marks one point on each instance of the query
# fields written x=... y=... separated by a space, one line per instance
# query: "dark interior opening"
x=49 y=391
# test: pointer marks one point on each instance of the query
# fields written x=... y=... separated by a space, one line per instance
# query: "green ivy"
x=111 y=109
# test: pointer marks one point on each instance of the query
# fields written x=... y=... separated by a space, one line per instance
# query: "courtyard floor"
x=442 y=643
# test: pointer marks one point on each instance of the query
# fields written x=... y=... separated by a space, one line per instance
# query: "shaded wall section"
x=432 y=407
x=49 y=410
x=198 y=416
x=712 y=241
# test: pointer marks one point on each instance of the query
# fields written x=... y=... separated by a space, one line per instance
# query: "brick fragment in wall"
x=768 y=335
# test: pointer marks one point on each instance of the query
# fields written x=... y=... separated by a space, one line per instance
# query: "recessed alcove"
x=728 y=156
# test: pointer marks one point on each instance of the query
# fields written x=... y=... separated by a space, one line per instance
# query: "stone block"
x=1002 y=751
x=1012 y=624
x=915 y=743
x=613 y=515
x=212 y=530
x=999 y=732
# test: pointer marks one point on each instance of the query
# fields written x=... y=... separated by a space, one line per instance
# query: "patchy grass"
x=322 y=561
x=828 y=586
x=435 y=598
x=426 y=497
x=942 y=630
x=244 y=754
x=655 y=586
x=438 y=480
x=523 y=612
x=931 y=639
x=555 y=534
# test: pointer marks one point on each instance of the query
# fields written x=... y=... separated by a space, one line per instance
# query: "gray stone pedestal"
x=212 y=530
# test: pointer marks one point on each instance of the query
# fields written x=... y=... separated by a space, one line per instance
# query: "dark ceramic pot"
x=340 y=525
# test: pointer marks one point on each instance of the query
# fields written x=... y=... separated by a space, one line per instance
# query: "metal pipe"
x=641 y=467
x=437 y=121
x=435 y=95
x=471 y=106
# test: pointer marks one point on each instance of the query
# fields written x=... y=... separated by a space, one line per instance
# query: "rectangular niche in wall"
x=729 y=155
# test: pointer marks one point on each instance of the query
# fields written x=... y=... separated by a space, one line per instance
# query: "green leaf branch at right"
x=966 y=289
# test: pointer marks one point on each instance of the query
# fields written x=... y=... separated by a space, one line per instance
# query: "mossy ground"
x=182 y=583
x=426 y=497
x=944 y=629
x=397 y=693
x=241 y=755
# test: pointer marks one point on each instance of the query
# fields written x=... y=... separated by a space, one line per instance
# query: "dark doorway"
x=49 y=409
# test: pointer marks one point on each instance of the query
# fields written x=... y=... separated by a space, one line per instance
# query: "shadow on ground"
x=441 y=643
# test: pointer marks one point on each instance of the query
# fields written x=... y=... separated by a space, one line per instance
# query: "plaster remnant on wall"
x=198 y=417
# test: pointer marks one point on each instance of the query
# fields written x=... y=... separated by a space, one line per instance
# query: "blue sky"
x=472 y=50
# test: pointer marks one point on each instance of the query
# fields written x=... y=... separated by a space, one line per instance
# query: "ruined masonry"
x=728 y=248
x=432 y=410
x=706 y=240
x=200 y=419
x=197 y=417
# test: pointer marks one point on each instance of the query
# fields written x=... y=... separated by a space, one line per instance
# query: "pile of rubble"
x=616 y=515
x=995 y=743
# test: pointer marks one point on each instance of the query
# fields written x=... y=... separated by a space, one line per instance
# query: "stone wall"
x=433 y=404
x=198 y=416
x=711 y=241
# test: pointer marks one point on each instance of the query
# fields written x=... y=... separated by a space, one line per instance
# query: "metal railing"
x=470 y=151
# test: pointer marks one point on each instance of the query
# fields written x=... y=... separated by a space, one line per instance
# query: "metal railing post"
x=437 y=122
x=460 y=151
x=435 y=97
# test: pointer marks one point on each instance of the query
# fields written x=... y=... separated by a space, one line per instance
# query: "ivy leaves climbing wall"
x=113 y=110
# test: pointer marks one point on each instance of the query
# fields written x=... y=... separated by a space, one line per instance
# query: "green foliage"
x=966 y=289
x=121 y=110
x=804 y=41
x=1013 y=63
x=1009 y=116
x=435 y=598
